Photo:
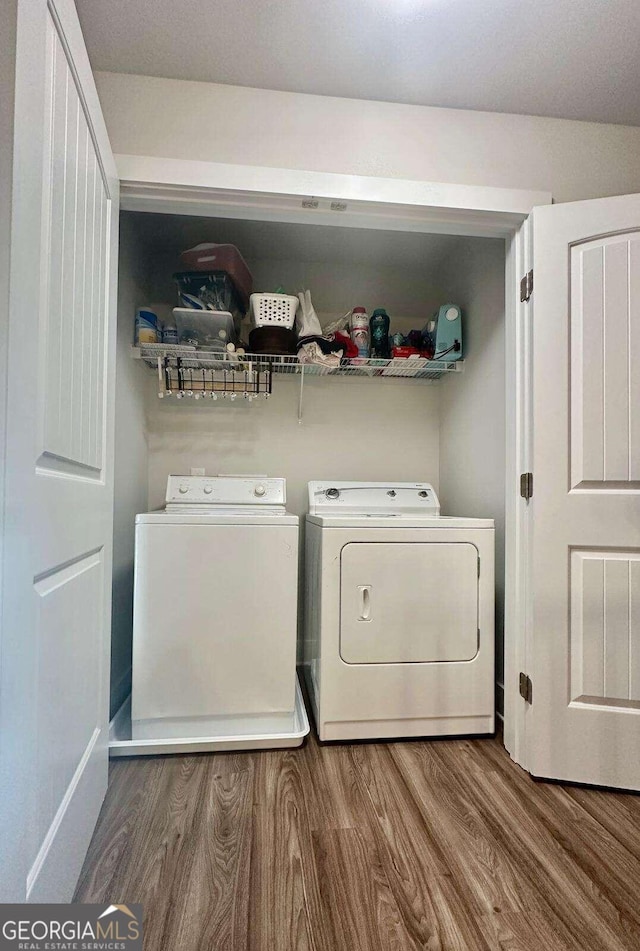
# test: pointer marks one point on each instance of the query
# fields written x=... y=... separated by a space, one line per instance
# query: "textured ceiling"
x=573 y=59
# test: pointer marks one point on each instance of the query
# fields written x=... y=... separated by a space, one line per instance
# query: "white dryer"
x=215 y=613
x=399 y=614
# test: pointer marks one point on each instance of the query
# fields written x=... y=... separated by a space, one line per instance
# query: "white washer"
x=399 y=614
x=215 y=611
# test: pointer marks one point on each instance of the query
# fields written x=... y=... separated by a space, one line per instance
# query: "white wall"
x=178 y=119
x=131 y=458
x=350 y=430
x=472 y=406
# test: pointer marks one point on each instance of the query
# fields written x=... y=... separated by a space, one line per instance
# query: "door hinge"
x=526 y=287
x=526 y=688
x=526 y=485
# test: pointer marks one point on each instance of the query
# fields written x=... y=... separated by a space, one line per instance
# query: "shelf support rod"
x=301 y=394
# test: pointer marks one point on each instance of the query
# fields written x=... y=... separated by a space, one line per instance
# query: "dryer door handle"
x=365 y=602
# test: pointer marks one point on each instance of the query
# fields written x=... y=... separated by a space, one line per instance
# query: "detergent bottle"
x=360 y=331
x=379 y=327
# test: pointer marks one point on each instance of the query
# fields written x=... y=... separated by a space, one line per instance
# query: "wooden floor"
x=434 y=845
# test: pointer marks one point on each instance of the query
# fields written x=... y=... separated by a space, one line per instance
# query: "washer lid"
x=373 y=498
x=188 y=516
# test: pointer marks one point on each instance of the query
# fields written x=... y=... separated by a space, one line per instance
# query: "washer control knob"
x=392 y=493
x=423 y=494
x=183 y=489
x=208 y=490
x=259 y=491
x=333 y=493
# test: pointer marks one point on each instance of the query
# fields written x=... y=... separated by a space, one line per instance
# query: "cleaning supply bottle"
x=379 y=327
x=147 y=327
x=360 y=331
x=170 y=332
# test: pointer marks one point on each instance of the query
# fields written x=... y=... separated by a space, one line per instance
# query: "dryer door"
x=404 y=603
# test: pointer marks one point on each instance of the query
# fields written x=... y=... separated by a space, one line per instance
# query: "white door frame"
x=519 y=436
x=209 y=189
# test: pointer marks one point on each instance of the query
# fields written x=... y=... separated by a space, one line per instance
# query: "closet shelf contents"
x=190 y=359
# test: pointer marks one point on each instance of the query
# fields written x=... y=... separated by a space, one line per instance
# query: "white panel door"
x=403 y=603
x=584 y=722
x=59 y=482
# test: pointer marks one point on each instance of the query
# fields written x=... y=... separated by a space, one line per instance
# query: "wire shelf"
x=232 y=366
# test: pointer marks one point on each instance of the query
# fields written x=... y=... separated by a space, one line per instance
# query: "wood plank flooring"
x=444 y=845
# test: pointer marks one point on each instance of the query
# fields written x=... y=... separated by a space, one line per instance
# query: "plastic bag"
x=307 y=321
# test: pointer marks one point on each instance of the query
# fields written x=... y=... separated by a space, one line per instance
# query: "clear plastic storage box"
x=204 y=329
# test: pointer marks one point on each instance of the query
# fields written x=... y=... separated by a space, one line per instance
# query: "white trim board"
x=273 y=194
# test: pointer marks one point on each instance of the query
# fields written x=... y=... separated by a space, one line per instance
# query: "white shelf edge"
x=373 y=369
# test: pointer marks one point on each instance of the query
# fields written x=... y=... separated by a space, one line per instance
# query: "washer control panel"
x=234 y=491
x=373 y=498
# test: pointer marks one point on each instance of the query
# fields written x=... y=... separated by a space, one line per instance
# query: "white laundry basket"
x=273 y=310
